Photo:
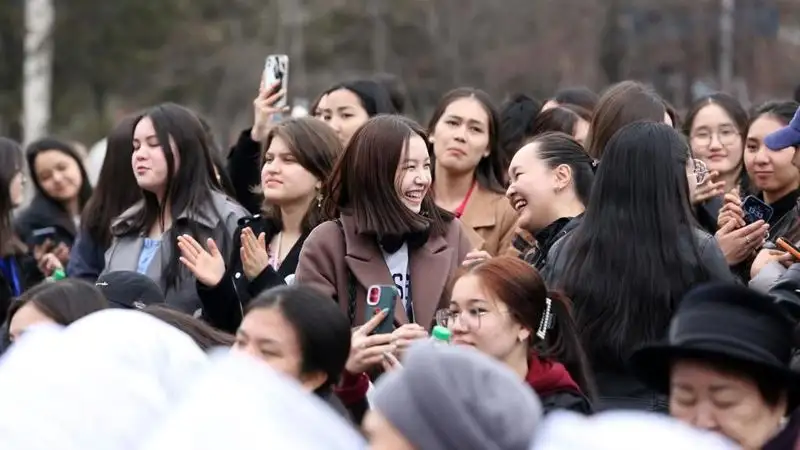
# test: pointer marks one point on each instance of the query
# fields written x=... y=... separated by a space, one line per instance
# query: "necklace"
x=274 y=260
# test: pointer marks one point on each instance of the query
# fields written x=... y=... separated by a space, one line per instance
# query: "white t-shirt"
x=397 y=263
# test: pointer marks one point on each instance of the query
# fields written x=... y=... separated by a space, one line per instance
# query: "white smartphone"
x=276 y=69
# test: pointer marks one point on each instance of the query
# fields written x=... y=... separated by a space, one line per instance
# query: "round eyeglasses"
x=726 y=136
x=469 y=318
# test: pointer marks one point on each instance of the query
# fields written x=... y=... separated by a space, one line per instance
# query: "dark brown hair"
x=63 y=301
x=559 y=119
x=205 y=336
x=11 y=163
x=620 y=105
x=521 y=288
x=315 y=147
x=491 y=171
x=364 y=181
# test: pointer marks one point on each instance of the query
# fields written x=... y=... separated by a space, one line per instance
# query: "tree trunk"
x=38 y=68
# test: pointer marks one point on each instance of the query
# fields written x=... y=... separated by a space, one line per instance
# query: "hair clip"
x=546 y=322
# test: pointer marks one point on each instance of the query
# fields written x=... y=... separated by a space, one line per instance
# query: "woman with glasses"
x=633 y=256
x=502 y=308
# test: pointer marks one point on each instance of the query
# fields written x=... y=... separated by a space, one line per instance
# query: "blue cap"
x=788 y=136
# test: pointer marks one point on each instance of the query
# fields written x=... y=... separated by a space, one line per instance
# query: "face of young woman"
x=414 y=174
x=532 y=189
x=27 y=316
x=461 y=136
x=724 y=403
x=283 y=180
x=382 y=435
x=58 y=174
x=344 y=112
x=265 y=334
x=770 y=171
x=715 y=139
x=149 y=161
x=483 y=321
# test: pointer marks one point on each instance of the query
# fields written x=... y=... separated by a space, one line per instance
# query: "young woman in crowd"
x=61 y=302
x=717 y=127
x=551 y=182
x=18 y=270
x=621 y=104
x=469 y=168
x=298 y=156
x=300 y=333
x=579 y=96
x=633 y=256
x=173 y=169
x=502 y=307
x=344 y=107
x=568 y=119
x=775 y=179
x=736 y=384
x=50 y=223
x=115 y=192
x=205 y=336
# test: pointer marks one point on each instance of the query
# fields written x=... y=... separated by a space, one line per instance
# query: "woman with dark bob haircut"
x=300 y=333
x=61 y=302
x=635 y=253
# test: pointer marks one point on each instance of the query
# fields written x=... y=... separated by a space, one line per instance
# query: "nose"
x=715 y=142
x=460 y=134
x=704 y=418
x=512 y=189
x=336 y=124
x=762 y=156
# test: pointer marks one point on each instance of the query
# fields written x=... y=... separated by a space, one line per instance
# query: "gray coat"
x=218 y=220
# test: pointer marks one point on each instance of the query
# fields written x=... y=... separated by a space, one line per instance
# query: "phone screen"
x=755 y=210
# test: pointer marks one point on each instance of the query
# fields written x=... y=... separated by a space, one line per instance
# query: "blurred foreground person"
x=451 y=398
x=736 y=384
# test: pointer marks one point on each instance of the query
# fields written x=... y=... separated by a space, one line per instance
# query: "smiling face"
x=533 y=189
x=58 y=174
x=715 y=139
x=149 y=160
x=414 y=174
x=461 y=136
x=771 y=171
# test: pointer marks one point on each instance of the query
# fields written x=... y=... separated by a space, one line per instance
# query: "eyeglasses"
x=469 y=318
x=700 y=170
x=726 y=136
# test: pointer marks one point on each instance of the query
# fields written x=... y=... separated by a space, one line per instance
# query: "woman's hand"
x=709 y=189
x=405 y=335
x=390 y=362
x=207 y=266
x=767 y=256
x=254 y=253
x=367 y=351
x=738 y=244
x=62 y=253
x=731 y=210
x=49 y=263
x=476 y=256
x=264 y=109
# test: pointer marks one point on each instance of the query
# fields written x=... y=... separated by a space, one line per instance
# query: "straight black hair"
x=555 y=149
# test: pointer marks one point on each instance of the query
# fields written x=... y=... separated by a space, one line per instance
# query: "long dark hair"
x=43 y=145
x=116 y=188
x=188 y=189
x=634 y=255
x=521 y=288
x=371 y=159
x=315 y=147
x=516 y=123
x=11 y=163
x=491 y=171
x=205 y=336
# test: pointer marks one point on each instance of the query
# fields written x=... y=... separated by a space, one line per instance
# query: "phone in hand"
x=785 y=245
x=276 y=70
x=755 y=210
x=380 y=297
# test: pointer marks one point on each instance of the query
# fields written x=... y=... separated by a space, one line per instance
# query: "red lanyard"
x=460 y=210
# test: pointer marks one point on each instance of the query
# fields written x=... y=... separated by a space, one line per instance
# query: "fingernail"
x=385 y=310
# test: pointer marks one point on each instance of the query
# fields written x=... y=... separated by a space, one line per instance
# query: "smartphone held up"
x=276 y=71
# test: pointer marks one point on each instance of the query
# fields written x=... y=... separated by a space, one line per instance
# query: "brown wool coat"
x=492 y=220
x=328 y=254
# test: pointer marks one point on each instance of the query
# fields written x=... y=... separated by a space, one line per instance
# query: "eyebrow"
x=470 y=301
x=472 y=121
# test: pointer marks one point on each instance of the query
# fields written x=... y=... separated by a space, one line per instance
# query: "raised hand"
x=207 y=266
x=264 y=109
x=253 y=253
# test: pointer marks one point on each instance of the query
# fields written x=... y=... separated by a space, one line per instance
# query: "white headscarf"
x=102 y=383
x=241 y=404
x=623 y=430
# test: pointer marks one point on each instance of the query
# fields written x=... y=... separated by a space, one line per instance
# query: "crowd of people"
x=587 y=271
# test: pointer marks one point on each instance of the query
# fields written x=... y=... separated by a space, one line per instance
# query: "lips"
x=415 y=196
x=518 y=203
x=457 y=151
x=141 y=169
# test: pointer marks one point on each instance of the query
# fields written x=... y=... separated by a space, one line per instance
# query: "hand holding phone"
x=379 y=298
x=276 y=72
